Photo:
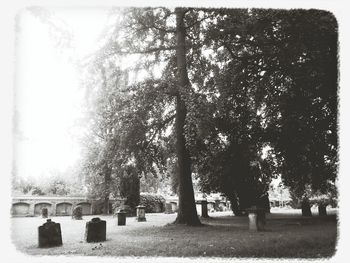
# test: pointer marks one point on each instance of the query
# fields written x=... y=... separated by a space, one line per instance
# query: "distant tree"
x=130 y=186
x=58 y=186
x=119 y=133
x=37 y=191
x=24 y=185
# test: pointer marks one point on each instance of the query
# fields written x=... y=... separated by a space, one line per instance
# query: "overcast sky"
x=47 y=96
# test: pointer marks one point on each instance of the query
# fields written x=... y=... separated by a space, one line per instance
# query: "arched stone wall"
x=20 y=209
x=39 y=206
x=32 y=205
x=86 y=208
x=63 y=209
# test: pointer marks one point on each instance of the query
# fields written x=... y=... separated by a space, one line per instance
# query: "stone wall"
x=57 y=205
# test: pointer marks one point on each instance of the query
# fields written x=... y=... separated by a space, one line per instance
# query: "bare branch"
x=151 y=50
x=155 y=27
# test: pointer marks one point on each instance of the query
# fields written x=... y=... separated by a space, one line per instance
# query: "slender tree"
x=187 y=210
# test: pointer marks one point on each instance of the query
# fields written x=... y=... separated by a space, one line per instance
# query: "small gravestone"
x=44 y=212
x=50 y=234
x=77 y=213
x=168 y=208
x=121 y=218
x=256 y=218
x=204 y=204
x=140 y=213
x=95 y=230
x=174 y=206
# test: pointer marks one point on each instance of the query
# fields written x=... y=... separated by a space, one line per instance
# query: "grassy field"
x=223 y=235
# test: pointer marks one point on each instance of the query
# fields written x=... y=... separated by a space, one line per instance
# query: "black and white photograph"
x=176 y=132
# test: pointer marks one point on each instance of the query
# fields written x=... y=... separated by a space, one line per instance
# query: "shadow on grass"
x=219 y=236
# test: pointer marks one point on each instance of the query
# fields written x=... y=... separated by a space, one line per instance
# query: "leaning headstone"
x=168 y=208
x=50 y=234
x=140 y=213
x=95 y=230
x=204 y=204
x=256 y=218
x=77 y=213
x=44 y=212
x=121 y=218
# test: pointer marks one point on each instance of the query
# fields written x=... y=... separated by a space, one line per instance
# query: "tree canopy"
x=234 y=96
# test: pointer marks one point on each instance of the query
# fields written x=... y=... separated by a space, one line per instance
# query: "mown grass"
x=222 y=235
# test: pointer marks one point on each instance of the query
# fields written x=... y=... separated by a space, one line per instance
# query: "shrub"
x=77 y=212
x=153 y=203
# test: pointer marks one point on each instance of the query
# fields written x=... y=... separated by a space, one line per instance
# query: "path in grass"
x=223 y=235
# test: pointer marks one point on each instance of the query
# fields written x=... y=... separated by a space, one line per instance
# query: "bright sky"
x=48 y=97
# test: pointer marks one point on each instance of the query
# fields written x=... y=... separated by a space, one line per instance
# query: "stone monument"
x=140 y=213
x=256 y=218
x=168 y=208
x=50 y=234
x=121 y=218
x=204 y=205
x=95 y=230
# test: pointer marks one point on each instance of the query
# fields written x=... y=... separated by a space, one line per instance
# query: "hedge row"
x=153 y=203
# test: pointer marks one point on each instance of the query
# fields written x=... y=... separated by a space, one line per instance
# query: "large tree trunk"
x=235 y=205
x=264 y=202
x=305 y=207
x=322 y=210
x=187 y=213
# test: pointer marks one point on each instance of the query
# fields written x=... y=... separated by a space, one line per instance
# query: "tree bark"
x=322 y=210
x=187 y=213
x=265 y=203
x=305 y=208
x=234 y=205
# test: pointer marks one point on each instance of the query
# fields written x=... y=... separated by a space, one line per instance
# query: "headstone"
x=168 y=208
x=140 y=213
x=121 y=218
x=77 y=213
x=204 y=208
x=95 y=230
x=44 y=212
x=256 y=218
x=50 y=234
x=174 y=206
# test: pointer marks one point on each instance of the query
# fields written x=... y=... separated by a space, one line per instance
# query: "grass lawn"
x=223 y=235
